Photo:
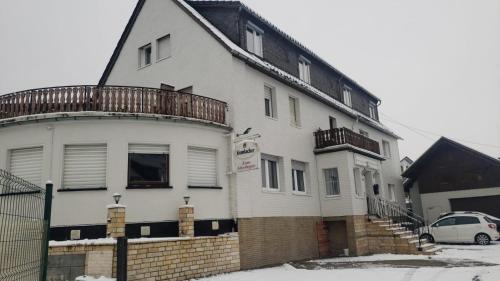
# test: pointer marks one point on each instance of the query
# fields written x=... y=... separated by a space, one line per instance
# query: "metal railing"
x=399 y=217
x=122 y=99
x=24 y=225
x=338 y=136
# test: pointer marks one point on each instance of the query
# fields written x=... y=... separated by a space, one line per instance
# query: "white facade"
x=197 y=59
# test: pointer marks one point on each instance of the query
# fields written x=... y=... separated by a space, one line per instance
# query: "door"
x=445 y=230
x=485 y=204
x=467 y=228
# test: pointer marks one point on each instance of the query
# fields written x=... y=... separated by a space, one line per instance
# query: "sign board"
x=246 y=155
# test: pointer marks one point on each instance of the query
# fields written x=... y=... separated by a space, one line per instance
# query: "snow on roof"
x=251 y=58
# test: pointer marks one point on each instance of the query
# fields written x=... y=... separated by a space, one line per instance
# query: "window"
x=269 y=103
x=254 y=39
x=332 y=122
x=145 y=55
x=372 y=108
x=202 y=167
x=304 y=70
x=358 y=183
x=445 y=222
x=148 y=166
x=298 y=177
x=363 y=133
x=347 y=96
x=392 y=192
x=163 y=49
x=26 y=163
x=332 y=182
x=386 y=147
x=84 y=166
x=466 y=220
x=294 y=111
x=269 y=171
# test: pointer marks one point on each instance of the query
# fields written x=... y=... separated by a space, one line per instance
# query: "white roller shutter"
x=202 y=167
x=148 y=148
x=84 y=166
x=26 y=163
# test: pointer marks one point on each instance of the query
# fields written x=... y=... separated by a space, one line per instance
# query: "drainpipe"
x=231 y=175
x=51 y=129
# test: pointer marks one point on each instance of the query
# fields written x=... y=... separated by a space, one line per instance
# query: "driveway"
x=453 y=263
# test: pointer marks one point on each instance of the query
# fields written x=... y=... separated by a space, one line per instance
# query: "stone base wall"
x=274 y=240
x=148 y=259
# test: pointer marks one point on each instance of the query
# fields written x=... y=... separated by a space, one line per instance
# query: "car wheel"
x=427 y=237
x=482 y=239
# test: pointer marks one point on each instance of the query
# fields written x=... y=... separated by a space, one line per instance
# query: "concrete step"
x=403 y=233
x=396 y=228
x=433 y=249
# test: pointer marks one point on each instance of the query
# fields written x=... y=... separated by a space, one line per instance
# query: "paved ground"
x=454 y=263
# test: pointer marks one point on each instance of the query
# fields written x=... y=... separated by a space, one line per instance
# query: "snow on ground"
x=486 y=254
x=88 y=278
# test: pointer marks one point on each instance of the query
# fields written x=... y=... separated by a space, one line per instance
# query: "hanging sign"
x=246 y=155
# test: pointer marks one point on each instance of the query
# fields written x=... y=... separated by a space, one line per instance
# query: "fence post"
x=121 y=258
x=46 y=236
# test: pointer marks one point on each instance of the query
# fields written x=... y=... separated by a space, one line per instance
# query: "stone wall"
x=274 y=240
x=148 y=259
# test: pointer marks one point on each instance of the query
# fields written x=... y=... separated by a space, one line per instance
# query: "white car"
x=461 y=228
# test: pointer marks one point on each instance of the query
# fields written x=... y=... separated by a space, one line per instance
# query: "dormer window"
x=347 y=96
x=254 y=39
x=304 y=70
x=372 y=108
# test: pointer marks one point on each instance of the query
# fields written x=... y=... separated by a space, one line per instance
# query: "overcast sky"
x=434 y=64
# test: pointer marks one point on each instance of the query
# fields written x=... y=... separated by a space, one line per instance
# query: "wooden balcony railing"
x=340 y=136
x=112 y=99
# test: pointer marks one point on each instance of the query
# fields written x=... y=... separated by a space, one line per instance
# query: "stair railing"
x=398 y=216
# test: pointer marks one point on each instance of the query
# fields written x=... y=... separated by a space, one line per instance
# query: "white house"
x=321 y=147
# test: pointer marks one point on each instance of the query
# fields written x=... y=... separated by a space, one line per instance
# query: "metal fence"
x=24 y=224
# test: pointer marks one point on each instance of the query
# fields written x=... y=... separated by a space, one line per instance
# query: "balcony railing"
x=119 y=99
x=339 y=136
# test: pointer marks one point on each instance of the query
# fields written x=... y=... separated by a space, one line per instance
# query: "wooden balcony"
x=119 y=99
x=341 y=136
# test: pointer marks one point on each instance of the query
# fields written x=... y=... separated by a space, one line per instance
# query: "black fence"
x=24 y=222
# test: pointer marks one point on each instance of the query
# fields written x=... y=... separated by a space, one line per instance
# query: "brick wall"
x=274 y=240
x=154 y=259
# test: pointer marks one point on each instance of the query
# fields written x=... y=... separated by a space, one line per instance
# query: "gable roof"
x=413 y=171
x=251 y=60
x=407 y=159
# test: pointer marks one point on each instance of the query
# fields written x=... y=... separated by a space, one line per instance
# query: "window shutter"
x=26 y=163
x=148 y=148
x=202 y=167
x=84 y=166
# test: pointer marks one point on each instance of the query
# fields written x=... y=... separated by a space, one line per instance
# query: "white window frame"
x=142 y=55
x=158 y=49
x=265 y=159
x=332 y=122
x=294 y=106
x=391 y=191
x=358 y=182
x=347 y=96
x=64 y=155
x=386 y=148
x=38 y=180
x=272 y=102
x=255 y=45
x=215 y=184
x=304 y=69
x=299 y=166
x=333 y=182
x=372 y=109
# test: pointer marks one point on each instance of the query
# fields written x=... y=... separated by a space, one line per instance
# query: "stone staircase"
x=385 y=236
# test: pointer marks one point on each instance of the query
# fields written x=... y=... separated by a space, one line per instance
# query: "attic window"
x=145 y=55
x=372 y=108
x=304 y=70
x=347 y=96
x=254 y=39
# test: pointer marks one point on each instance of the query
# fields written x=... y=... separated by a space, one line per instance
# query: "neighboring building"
x=322 y=146
x=452 y=177
x=405 y=163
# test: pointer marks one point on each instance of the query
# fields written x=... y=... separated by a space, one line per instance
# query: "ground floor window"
x=332 y=182
x=358 y=182
x=84 y=166
x=298 y=176
x=148 y=166
x=269 y=172
x=26 y=163
x=202 y=167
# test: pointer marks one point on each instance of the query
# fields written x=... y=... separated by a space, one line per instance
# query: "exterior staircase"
x=397 y=230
